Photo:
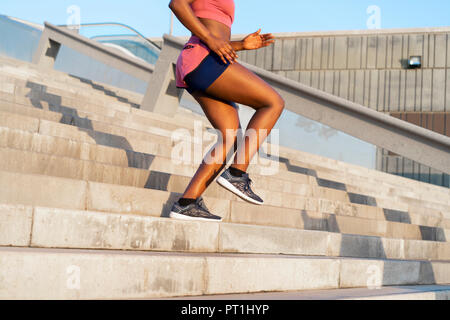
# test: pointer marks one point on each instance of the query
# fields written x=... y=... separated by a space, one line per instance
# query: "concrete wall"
x=369 y=67
x=366 y=68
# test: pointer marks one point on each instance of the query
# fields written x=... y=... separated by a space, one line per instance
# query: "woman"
x=207 y=68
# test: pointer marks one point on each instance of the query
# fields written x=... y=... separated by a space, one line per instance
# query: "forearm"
x=237 y=45
x=184 y=13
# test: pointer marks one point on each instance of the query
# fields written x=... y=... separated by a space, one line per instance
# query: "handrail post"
x=47 y=51
x=162 y=95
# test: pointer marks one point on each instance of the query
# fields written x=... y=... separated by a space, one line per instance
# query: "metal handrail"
x=413 y=142
x=111 y=24
x=54 y=37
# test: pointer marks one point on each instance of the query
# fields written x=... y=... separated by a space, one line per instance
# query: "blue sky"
x=151 y=17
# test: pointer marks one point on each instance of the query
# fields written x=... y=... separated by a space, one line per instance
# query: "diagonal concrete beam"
x=162 y=95
x=53 y=37
x=411 y=141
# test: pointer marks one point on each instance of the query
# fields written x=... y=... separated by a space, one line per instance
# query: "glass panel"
x=121 y=37
x=77 y=64
x=18 y=40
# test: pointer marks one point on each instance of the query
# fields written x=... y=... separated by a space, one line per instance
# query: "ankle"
x=186 y=201
x=236 y=172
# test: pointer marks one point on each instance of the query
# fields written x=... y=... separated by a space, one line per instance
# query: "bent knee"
x=277 y=103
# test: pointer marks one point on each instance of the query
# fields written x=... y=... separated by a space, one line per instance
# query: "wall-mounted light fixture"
x=415 y=62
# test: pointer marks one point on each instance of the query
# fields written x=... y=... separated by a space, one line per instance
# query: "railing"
x=408 y=140
x=117 y=35
x=112 y=24
x=53 y=37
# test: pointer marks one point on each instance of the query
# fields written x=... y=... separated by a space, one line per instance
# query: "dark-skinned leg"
x=240 y=85
x=222 y=116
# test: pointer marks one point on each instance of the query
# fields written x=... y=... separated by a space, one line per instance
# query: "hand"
x=255 y=40
x=223 y=48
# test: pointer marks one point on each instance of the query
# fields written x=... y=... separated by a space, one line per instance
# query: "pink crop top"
x=218 y=10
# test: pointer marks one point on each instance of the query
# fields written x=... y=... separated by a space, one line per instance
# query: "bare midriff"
x=217 y=29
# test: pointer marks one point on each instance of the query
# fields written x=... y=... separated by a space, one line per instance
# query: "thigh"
x=222 y=114
x=239 y=84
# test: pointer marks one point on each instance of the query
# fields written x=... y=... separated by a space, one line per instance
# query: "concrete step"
x=355 y=171
x=423 y=292
x=26 y=226
x=289 y=166
x=58 y=78
x=42 y=163
x=384 y=176
x=42 y=95
x=166 y=133
x=381 y=189
x=21 y=73
x=17 y=188
x=304 y=185
x=49 y=90
x=54 y=112
x=92 y=274
x=139 y=132
x=419 y=192
x=369 y=186
x=334 y=166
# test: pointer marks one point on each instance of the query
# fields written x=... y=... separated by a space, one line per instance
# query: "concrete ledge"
x=88 y=274
x=137 y=144
x=70 y=167
x=77 y=229
x=138 y=132
x=82 y=195
x=424 y=292
x=15 y=225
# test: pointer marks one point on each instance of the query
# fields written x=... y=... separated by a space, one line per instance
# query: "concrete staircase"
x=87 y=180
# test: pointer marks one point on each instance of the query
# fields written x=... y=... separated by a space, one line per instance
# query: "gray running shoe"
x=196 y=211
x=239 y=186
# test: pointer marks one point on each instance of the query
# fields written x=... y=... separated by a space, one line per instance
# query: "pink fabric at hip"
x=195 y=50
x=190 y=57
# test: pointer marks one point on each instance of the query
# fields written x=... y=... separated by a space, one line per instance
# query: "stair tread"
x=195 y=255
x=283 y=175
x=386 y=292
x=118 y=206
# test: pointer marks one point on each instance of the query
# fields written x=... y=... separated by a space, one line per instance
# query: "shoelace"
x=248 y=182
x=201 y=204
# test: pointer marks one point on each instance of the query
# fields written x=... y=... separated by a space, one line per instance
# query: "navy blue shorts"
x=206 y=73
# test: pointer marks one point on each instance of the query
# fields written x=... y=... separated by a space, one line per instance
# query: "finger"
x=231 y=51
x=268 y=43
x=227 y=56
x=221 y=56
x=228 y=50
x=268 y=36
x=257 y=32
x=233 y=55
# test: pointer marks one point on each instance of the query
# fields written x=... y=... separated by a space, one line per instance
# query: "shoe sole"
x=178 y=216
x=224 y=183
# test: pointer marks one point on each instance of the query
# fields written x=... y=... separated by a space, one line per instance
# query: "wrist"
x=207 y=38
x=241 y=45
x=238 y=45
